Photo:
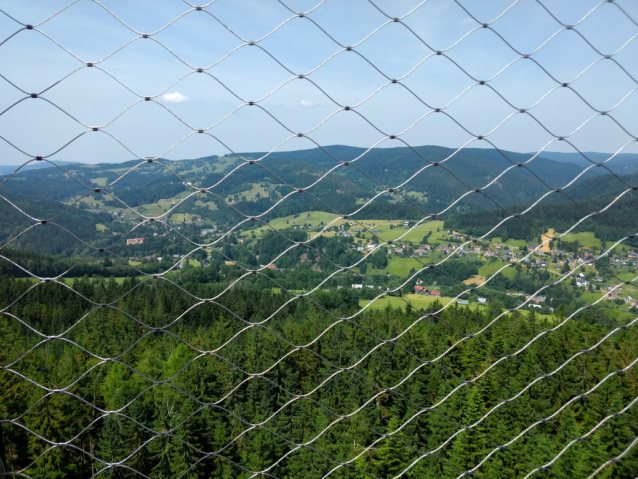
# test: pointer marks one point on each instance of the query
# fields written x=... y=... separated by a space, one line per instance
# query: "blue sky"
x=34 y=62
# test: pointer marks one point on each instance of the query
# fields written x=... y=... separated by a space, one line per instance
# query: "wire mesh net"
x=237 y=372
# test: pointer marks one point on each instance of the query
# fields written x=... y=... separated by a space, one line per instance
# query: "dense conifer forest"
x=189 y=378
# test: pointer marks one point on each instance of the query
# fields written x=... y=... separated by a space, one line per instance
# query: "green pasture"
x=210 y=204
x=398 y=266
x=69 y=281
x=313 y=218
x=625 y=275
x=156 y=209
x=251 y=195
x=422 y=302
x=590 y=298
x=416 y=300
x=491 y=268
x=101 y=181
x=192 y=168
x=616 y=314
x=223 y=162
x=398 y=233
x=183 y=217
x=510 y=242
x=89 y=200
x=293 y=291
x=417 y=195
x=585 y=239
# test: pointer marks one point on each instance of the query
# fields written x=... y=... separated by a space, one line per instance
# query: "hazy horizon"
x=324 y=146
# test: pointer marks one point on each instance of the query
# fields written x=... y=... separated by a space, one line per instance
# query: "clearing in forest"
x=547 y=237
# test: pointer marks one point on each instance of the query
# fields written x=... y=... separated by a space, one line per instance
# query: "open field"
x=589 y=298
x=510 y=242
x=183 y=217
x=491 y=268
x=156 y=209
x=210 y=205
x=585 y=239
x=422 y=302
x=69 y=281
x=100 y=227
x=477 y=279
x=251 y=195
x=416 y=196
x=293 y=291
x=315 y=218
x=546 y=238
x=186 y=168
x=99 y=181
x=625 y=276
x=617 y=314
x=416 y=300
x=221 y=163
x=398 y=266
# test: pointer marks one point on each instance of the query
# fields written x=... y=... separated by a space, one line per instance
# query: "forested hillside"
x=457 y=173
x=619 y=219
x=181 y=412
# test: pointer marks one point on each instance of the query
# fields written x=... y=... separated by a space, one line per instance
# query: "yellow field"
x=100 y=227
x=547 y=237
x=478 y=280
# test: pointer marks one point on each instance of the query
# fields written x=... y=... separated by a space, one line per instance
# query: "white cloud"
x=307 y=104
x=176 y=97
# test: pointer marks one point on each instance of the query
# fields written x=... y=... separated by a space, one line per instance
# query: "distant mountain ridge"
x=8 y=169
x=433 y=177
x=622 y=163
